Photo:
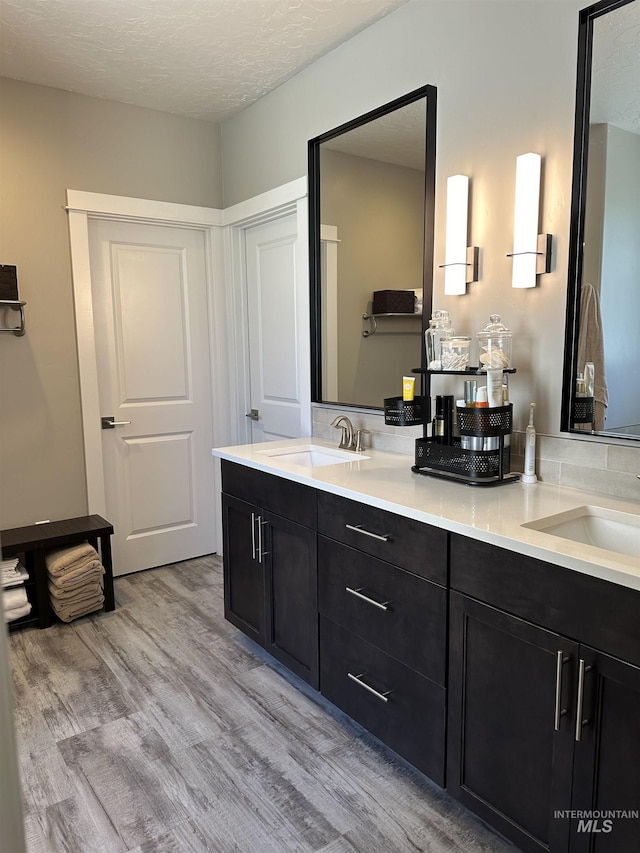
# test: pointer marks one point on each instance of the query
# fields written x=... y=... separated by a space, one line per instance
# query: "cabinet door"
x=243 y=571
x=291 y=595
x=607 y=757
x=506 y=760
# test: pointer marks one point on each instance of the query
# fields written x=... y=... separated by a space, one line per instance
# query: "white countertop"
x=493 y=515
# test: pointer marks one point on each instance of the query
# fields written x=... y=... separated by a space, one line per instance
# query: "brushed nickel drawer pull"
x=261 y=524
x=383 y=605
x=384 y=697
x=560 y=711
x=358 y=528
x=253 y=535
x=582 y=669
x=261 y=553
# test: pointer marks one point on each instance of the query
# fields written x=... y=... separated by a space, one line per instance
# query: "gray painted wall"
x=505 y=73
x=51 y=141
x=378 y=211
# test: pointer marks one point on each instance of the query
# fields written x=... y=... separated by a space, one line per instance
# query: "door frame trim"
x=83 y=206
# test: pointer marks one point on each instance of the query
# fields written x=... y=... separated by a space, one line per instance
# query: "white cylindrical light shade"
x=525 y=220
x=455 y=271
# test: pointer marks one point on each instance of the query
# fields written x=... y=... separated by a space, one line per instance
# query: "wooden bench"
x=36 y=540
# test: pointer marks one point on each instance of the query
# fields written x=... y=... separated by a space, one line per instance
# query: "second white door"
x=276 y=336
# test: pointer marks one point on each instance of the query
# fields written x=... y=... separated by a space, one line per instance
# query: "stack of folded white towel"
x=75 y=587
x=14 y=595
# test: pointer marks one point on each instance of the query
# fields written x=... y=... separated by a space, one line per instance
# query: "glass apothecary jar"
x=455 y=352
x=494 y=344
x=439 y=327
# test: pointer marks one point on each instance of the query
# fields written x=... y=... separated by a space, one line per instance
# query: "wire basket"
x=399 y=412
x=584 y=410
x=460 y=462
x=481 y=422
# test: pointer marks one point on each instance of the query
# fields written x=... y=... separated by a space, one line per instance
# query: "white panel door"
x=274 y=329
x=149 y=292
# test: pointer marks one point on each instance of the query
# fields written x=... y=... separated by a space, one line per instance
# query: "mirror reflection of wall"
x=611 y=258
x=378 y=211
x=612 y=264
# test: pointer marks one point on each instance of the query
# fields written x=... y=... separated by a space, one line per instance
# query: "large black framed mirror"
x=603 y=301
x=371 y=213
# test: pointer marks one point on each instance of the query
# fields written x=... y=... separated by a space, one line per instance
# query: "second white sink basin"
x=593 y=525
x=314 y=455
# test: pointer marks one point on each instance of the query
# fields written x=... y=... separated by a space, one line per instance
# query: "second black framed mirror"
x=371 y=224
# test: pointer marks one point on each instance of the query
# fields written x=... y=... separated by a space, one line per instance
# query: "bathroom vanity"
x=500 y=660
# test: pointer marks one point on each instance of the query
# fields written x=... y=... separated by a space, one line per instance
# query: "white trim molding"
x=268 y=205
x=120 y=207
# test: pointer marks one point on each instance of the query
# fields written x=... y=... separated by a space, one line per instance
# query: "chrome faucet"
x=346 y=438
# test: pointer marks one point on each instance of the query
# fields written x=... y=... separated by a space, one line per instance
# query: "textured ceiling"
x=206 y=59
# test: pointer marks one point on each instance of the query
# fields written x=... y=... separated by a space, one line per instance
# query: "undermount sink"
x=592 y=525
x=314 y=455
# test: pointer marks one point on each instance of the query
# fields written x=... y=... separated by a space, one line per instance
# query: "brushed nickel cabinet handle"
x=383 y=697
x=261 y=553
x=383 y=605
x=253 y=535
x=358 y=528
x=559 y=710
x=582 y=669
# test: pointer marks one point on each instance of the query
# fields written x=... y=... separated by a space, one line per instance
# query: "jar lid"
x=441 y=319
x=496 y=326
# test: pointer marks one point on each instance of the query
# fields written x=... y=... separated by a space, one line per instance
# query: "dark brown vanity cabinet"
x=540 y=725
x=270 y=565
x=383 y=626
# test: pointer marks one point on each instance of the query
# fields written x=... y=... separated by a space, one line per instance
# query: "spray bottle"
x=529 y=475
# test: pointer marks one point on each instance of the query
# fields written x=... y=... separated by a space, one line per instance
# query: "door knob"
x=109 y=423
x=253 y=415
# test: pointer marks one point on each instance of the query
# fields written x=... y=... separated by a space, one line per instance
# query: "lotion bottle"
x=529 y=475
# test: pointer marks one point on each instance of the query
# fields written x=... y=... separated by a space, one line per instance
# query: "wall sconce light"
x=531 y=251
x=460 y=261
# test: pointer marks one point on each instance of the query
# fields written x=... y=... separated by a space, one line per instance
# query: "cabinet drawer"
x=283 y=497
x=411 y=720
x=402 y=614
x=407 y=543
x=602 y=614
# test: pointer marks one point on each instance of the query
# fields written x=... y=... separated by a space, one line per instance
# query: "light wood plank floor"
x=160 y=727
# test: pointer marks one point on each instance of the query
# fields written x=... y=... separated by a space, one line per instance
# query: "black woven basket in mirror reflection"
x=399 y=412
x=583 y=410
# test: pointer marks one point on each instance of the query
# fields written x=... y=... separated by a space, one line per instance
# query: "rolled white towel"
x=17 y=612
x=16 y=597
